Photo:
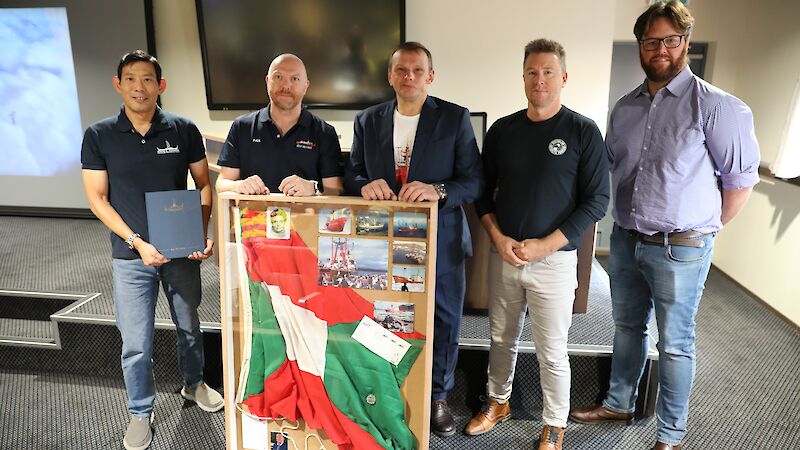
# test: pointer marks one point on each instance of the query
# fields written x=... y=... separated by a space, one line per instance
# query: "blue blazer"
x=445 y=151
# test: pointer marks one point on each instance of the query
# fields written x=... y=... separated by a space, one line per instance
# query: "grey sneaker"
x=206 y=398
x=139 y=435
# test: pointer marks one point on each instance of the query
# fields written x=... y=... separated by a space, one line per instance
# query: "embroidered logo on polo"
x=306 y=145
x=557 y=147
x=167 y=149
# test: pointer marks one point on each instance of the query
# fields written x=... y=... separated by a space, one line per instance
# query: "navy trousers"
x=450 y=290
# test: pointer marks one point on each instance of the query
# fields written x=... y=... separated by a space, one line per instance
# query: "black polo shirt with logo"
x=158 y=161
x=255 y=146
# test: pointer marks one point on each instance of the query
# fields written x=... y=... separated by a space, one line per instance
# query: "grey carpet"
x=74 y=255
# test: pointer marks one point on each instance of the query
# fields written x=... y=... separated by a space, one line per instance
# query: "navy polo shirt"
x=255 y=146
x=157 y=161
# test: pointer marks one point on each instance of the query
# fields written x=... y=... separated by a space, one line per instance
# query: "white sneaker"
x=206 y=398
x=139 y=434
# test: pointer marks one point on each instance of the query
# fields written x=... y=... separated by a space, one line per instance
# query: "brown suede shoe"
x=552 y=438
x=442 y=422
x=663 y=446
x=599 y=414
x=490 y=414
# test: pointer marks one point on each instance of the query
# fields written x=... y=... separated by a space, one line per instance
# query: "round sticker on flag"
x=557 y=147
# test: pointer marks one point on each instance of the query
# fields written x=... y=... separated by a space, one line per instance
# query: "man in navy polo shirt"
x=282 y=147
x=144 y=149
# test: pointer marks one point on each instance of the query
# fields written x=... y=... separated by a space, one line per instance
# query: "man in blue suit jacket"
x=419 y=148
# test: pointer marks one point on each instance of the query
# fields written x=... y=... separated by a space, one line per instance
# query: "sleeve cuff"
x=731 y=181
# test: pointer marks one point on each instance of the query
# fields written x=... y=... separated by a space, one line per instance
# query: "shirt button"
x=143 y=141
x=635 y=189
x=278 y=136
x=640 y=168
x=633 y=209
x=648 y=127
x=654 y=105
x=371 y=399
x=644 y=148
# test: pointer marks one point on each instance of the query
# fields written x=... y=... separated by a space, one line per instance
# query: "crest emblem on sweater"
x=557 y=147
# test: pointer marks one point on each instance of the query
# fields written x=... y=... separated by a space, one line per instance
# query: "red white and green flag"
x=302 y=361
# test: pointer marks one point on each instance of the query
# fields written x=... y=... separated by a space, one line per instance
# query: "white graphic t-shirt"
x=405 y=129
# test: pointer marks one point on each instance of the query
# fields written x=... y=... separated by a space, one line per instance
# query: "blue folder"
x=175 y=222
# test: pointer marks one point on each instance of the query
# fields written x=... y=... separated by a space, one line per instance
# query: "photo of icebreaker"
x=40 y=122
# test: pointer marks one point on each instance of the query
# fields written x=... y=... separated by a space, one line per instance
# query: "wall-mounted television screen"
x=345 y=45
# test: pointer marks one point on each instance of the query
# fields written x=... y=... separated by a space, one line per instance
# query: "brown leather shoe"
x=442 y=422
x=663 y=446
x=490 y=415
x=599 y=414
x=552 y=438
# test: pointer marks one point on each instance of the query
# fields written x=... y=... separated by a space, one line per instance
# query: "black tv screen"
x=345 y=45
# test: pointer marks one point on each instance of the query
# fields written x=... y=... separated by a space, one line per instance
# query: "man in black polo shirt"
x=282 y=147
x=546 y=183
x=144 y=149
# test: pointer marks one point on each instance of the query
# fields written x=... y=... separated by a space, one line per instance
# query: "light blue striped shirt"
x=671 y=154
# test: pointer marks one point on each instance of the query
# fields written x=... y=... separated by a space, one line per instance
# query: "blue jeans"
x=135 y=294
x=671 y=278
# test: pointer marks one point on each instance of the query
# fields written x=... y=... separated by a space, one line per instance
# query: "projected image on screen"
x=40 y=124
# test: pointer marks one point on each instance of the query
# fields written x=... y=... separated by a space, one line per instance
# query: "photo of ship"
x=408 y=279
x=408 y=252
x=373 y=222
x=353 y=263
x=395 y=316
x=414 y=225
x=335 y=221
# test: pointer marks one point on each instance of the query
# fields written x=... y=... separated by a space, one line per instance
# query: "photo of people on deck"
x=372 y=222
x=407 y=252
x=395 y=316
x=408 y=279
x=335 y=221
x=353 y=263
x=407 y=224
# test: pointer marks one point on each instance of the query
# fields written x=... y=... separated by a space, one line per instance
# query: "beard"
x=660 y=75
x=284 y=103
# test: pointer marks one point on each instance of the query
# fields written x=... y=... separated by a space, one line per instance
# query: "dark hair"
x=546 y=46
x=137 y=56
x=673 y=10
x=412 y=46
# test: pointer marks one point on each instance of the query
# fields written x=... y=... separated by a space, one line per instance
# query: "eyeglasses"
x=669 y=42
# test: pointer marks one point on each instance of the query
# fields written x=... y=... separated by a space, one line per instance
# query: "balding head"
x=288 y=58
x=287 y=82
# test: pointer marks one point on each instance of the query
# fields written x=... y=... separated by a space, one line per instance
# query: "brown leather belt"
x=684 y=238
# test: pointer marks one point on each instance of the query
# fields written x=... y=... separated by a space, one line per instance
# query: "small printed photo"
x=408 y=279
x=408 y=252
x=278 y=222
x=254 y=223
x=335 y=221
x=372 y=222
x=278 y=441
x=414 y=225
x=353 y=263
x=395 y=316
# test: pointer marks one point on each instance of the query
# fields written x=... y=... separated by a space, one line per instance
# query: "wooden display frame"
x=416 y=389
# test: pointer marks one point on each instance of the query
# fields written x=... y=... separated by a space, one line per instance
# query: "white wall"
x=477 y=51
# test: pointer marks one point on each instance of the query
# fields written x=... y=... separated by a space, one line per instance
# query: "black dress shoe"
x=442 y=422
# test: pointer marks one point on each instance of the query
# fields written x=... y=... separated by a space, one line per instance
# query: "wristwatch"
x=441 y=190
x=316 y=187
x=130 y=240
